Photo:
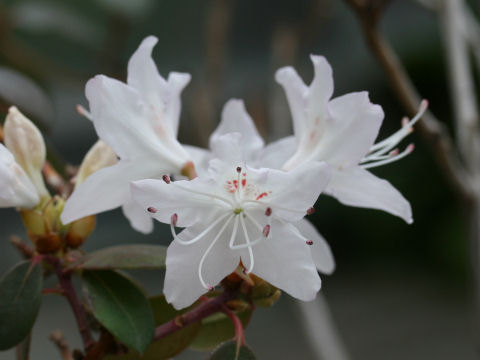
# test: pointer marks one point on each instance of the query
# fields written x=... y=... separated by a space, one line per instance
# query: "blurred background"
x=400 y=291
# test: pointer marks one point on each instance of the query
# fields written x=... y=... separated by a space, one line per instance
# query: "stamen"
x=199 y=236
x=84 y=112
x=254 y=242
x=200 y=265
x=309 y=242
x=174 y=219
x=248 y=243
x=266 y=230
x=166 y=178
x=239 y=169
x=408 y=150
x=268 y=211
x=310 y=211
x=152 y=210
x=234 y=233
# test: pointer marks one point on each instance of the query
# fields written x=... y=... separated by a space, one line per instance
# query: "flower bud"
x=262 y=293
x=25 y=142
x=80 y=230
x=99 y=156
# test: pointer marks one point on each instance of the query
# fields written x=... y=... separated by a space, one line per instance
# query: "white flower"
x=98 y=157
x=139 y=121
x=16 y=189
x=235 y=119
x=341 y=131
x=237 y=213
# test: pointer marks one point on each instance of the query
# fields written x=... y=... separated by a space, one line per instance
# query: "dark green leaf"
x=124 y=257
x=20 y=299
x=170 y=345
x=229 y=351
x=120 y=306
x=218 y=328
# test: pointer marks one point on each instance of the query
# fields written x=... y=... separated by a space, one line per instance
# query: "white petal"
x=358 y=187
x=351 y=130
x=182 y=284
x=16 y=189
x=293 y=192
x=235 y=119
x=321 y=253
x=138 y=217
x=296 y=92
x=275 y=154
x=120 y=117
x=284 y=261
x=105 y=189
x=163 y=96
x=192 y=201
x=228 y=148
x=321 y=88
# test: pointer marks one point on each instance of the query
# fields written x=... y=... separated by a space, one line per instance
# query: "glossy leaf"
x=229 y=351
x=218 y=328
x=20 y=299
x=170 y=345
x=121 y=306
x=128 y=257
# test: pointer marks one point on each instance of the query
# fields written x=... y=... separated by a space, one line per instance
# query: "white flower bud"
x=99 y=156
x=25 y=142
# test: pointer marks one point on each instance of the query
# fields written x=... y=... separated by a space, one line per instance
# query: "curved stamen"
x=200 y=265
x=404 y=153
x=248 y=243
x=209 y=195
x=234 y=233
x=199 y=236
x=254 y=242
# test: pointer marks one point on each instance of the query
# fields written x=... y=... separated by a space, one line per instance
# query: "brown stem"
x=200 y=312
x=237 y=324
x=59 y=340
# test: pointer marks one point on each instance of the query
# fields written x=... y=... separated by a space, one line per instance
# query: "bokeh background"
x=400 y=291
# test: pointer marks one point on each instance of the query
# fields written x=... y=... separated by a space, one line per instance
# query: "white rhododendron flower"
x=21 y=163
x=342 y=132
x=238 y=213
x=139 y=121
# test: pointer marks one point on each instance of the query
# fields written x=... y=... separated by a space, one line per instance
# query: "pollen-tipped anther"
x=394 y=152
x=174 y=219
x=152 y=210
x=166 y=178
x=310 y=211
x=210 y=287
x=239 y=169
x=309 y=242
x=266 y=230
x=410 y=148
x=268 y=211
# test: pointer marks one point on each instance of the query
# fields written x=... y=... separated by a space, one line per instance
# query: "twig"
x=59 y=340
x=26 y=251
x=237 y=324
x=433 y=131
x=200 y=312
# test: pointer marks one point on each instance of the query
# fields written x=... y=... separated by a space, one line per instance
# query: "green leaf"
x=170 y=345
x=218 y=328
x=120 y=306
x=20 y=299
x=229 y=351
x=128 y=257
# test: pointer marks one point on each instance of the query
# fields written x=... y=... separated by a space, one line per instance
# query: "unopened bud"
x=25 y=142
x=79 y=231
x=98 y=157
x=48 y=244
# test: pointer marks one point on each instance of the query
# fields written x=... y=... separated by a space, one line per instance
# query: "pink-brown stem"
x=202 y=311
x=237 y=324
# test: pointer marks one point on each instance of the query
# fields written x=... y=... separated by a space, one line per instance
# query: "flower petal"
x=321 y=253
x=284 y=261
x=235 y=119
x=358 y=187
x=162 y=96
x=351 y=130
x=275 y=154
x=193 y=201
x=105 y=189
x=138 y=217
x=182 y=284
x=200 y=158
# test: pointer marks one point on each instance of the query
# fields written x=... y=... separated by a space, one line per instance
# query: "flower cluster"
x=241 y=203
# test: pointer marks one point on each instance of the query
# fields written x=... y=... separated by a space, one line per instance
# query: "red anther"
x=152 y=210
x=266 y=230
x=410 y=148
x=310 y=211
x=210 y=287
x=166 y=178
x=394 y=152
x=174 y=219
x=239 y=169
x=309 y=242
x=268 y=211
x=405 y=121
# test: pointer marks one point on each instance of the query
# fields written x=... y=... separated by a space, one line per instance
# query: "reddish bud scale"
x=166 y=178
